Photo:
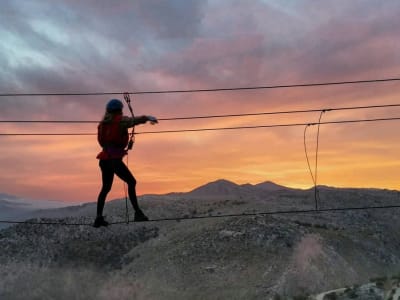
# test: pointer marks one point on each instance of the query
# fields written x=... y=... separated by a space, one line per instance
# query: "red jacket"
x=113 y=134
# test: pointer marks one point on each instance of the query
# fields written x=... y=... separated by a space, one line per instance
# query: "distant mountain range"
x=17 y=208
x=14 y=207
x=11 y=201
x=223 y=188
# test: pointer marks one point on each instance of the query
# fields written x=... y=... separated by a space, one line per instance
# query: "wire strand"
x=297 y=85
x=213 y=129
x=306 y=153
x=218 y=116
x=255 y=214
x=316 y=192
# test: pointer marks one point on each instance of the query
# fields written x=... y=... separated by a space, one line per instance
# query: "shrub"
x=353 y=294
x=300 y=297
x=330 y=296
x=277 y=297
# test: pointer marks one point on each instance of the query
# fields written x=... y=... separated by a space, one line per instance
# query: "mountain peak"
x=223 y=182
x=270 y=186
x=220 y=187
x=224 y=188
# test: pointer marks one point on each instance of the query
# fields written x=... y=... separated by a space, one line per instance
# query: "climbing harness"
x=132 y=134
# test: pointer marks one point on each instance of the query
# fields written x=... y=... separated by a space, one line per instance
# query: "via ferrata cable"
x=129 y=147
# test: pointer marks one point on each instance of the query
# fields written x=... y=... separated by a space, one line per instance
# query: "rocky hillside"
x=378 y=288
x=282 y=256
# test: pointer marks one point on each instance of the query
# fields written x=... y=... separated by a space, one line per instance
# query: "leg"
x=107 y=175
x=123 y=172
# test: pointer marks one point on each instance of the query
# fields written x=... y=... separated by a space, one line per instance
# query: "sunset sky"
x=151 y=45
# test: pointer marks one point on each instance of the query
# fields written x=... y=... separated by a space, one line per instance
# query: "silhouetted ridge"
x=219 y=187
x=224 y=187
x=270 y=186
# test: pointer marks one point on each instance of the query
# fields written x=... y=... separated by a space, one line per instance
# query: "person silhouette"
x=113 y=137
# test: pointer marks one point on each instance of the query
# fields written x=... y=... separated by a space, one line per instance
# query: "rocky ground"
x=278 y=256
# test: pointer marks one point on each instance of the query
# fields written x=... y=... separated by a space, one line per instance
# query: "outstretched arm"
x=130 y=122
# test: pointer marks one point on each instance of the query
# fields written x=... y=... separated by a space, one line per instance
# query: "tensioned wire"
x=223 y=115
x=214 y=128
x=255 y=214
x=298 y=85
x=314 y=176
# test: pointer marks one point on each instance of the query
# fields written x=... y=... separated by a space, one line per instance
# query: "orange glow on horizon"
x=351 y=155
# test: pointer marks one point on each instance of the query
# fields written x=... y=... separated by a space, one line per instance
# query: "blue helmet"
x=114 y=105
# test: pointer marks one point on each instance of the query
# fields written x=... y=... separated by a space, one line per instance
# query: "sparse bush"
x=321 y=226
x=397 y=276
x=303 y=224
x=237 y=202
x=300 y=297
x=330 y=296
x=352 y=294
x=375 y=279
x=379 y=281
x=380 y=284
x=277 y=297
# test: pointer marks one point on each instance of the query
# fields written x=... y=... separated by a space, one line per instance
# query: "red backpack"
x=112 y=134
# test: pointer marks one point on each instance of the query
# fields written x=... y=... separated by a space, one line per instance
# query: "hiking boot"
x=140 y=216
x=100 y=222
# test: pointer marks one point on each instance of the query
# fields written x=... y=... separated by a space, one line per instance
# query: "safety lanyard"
x=132 y=134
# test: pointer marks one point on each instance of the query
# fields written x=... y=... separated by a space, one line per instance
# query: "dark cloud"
x=108 y=46
x=352 y=40
x=171 y=19
x=332 y=41
x=138 y=21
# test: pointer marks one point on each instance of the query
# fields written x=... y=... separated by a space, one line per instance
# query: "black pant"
x=108 y=169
